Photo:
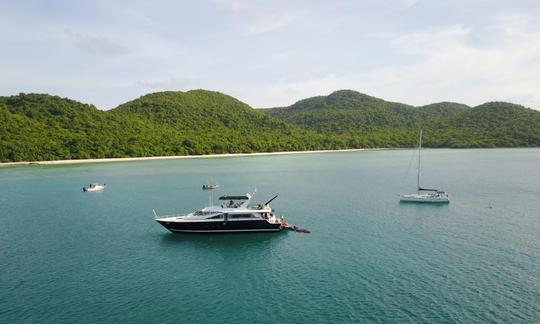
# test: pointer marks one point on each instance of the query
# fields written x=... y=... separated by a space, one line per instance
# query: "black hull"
x=221 y=226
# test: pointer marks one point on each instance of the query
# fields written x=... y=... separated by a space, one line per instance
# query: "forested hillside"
x=37 y=127
x=43 y=127
x=376 y=122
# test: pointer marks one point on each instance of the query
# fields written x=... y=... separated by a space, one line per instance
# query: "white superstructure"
x=94 y=187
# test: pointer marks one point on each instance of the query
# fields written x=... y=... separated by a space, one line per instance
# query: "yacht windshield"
x=203 y=213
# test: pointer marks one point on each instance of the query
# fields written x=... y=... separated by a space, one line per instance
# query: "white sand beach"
x=209 y=156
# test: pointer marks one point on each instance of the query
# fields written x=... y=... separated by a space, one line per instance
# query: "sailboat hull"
x=419 y=198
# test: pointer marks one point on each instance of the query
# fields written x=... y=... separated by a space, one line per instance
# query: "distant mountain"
x=44 y=127
x=376 y=122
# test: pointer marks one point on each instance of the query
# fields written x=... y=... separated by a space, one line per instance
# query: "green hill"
x=42 y=127
x=212 y=122
x=374 y=122
x=496 y=124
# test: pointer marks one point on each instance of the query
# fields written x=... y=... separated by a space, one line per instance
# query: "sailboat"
x=424 y=195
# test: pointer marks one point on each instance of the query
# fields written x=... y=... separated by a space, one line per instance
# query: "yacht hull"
x=219 y=226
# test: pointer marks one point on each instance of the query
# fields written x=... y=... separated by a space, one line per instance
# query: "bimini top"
x=434 y=190
x=246 y=197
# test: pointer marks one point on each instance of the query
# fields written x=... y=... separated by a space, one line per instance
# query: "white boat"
x=210 y=186
x=234 y=214
x=424 y=195
x=94 y=187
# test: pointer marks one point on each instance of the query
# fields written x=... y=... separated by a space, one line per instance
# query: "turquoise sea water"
x=73 y=257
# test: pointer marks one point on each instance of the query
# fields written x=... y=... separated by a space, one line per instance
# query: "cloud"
x=274 y=53
x=258 y=19
x=468 y=63
x=235 y=5
x=428 y=42
x=456 y=62
x=409 y=3
x=264 y=24
x=98 y=45
x=166 y=84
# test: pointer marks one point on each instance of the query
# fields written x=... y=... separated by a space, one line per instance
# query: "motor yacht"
x=233 y=214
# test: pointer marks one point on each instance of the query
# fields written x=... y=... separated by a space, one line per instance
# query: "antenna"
x=211 y=197
x=269 y=201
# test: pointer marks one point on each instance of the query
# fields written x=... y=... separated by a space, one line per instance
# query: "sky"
x=273 y=53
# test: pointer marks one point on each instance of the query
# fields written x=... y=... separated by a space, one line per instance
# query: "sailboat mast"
x=418 y=174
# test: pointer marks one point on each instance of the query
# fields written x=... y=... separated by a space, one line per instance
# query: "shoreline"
x=178 y=157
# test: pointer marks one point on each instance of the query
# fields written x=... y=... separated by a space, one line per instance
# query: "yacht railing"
x=156 y=216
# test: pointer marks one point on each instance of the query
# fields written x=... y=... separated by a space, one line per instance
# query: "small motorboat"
x=94 y=187
x=210 y=186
